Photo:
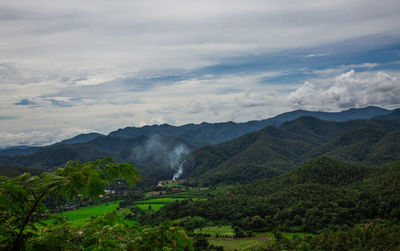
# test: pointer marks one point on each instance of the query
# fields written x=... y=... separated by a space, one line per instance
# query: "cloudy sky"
x=73 y=66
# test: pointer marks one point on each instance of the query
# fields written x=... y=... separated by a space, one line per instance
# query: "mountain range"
x=214 y=133
x=233 y=152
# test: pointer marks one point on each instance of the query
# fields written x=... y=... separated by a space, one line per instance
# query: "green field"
x=155 y=207
x=158 y=203
x=239 y=243
x=229 y=243
x=155 y=204
x=81 y=215
x=158 y=200
x=214 y=230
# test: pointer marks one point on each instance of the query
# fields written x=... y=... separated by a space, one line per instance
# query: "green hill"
x=321 y=193
x=150 y=154
x=376 y=142
x=274 y=150
x=11 y=171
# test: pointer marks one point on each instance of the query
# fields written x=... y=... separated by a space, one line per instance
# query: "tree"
x=109 y=232
x=21 y=207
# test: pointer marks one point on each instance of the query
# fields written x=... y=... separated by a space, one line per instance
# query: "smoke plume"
x=177 y=160
x=163 y=152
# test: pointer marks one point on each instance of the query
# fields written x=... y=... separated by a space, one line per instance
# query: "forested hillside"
x=152 y=155
x=11 y=171
x=321 y=193
x=273 y=150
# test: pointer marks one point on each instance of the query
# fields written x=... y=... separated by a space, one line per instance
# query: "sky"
x=71 y=67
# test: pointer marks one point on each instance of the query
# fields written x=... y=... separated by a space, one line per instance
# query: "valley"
x=300 y=183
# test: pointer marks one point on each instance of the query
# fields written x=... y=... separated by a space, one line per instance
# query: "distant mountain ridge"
x=211 y=133
x=395 y=114
x=263 y=147
x=26 y=150
x=215 y=133
x=81 y=138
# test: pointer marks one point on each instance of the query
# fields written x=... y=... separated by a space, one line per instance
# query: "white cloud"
x=255 y=99
x=38 y=138
x=349 y=90
x=226 y=98
x=88 y=64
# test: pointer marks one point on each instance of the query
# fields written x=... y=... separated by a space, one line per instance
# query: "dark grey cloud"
x=60 y=103
x=7 y=117
x=25 y=101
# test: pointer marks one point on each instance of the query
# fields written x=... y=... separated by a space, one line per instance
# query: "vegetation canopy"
x=21 y=198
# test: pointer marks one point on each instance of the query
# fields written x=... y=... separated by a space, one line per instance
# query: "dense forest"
x=322 y=193
x=273 y=150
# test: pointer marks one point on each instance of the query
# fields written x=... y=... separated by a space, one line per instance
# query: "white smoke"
x=177 y=160
x=163 y=153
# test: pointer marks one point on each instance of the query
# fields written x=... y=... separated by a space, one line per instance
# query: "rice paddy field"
x=81 y=215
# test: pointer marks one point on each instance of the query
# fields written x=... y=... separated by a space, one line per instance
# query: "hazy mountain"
x=155 y=156
x=81 y=138
x=395 y=114
x=214 y=133
x=19 y=150
x=26 y=150
x=210 y=133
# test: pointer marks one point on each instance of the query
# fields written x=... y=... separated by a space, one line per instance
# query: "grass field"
x=158 y=203
x=81 y=215
x=155 y=207
x=214 y=230
x=259 y=241
x=239 y=243
x=158 y=200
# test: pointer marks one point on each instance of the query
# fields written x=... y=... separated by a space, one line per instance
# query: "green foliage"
x=379 y=237
x=108 y=232
x=163 y=237
x=240 y=233
x=21 y=198
x=12 y=171
x=190 y=223
x=321 y=193
x=80 y=216
x=273 y=150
